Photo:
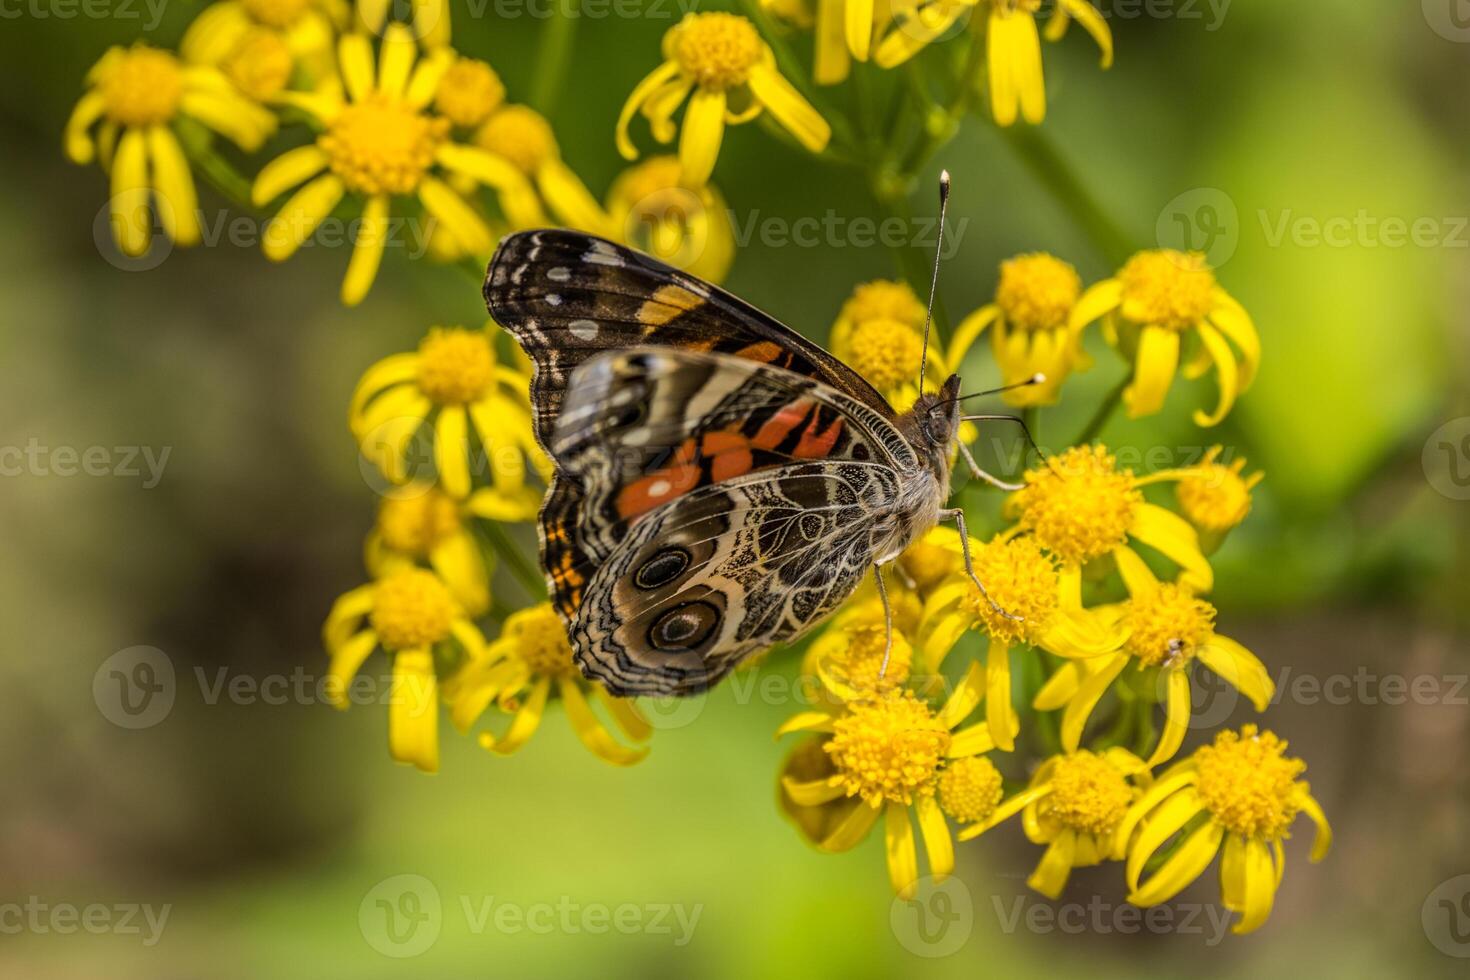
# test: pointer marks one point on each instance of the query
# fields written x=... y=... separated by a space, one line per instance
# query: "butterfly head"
x=938 y=416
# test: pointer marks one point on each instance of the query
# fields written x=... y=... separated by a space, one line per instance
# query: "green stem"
x=1052 y=170
x=552 y=58
x=1143 y=745
x=1104 y=412
x=528 y=576
x=218 y=172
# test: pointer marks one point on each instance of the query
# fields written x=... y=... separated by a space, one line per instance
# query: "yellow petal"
x=132 y=225
x=299 y=217
x=966 y=695
x=1176 y=716
x=367 y=250
x=788 y=108
x=392 y=370
x=424 y=82
x=1232 y=873
x=355 y=59
x=1074 y=719
x=571 y=199
x=1007 y=810
x=395 y=60
x=858 y=27
x=971 y=740
x=814 y=792
x=1185 y=865
x=1176 y=779
x=1050 y=876
x=1162 y=824
x=1260 y=888
x=1323 y=841
x=1225 y=371
x=937 y=842
x=853 y=828
x=651 y=82
x=1153 y=372
x=78 y=143
x=177 y=204
x=1176 y=539
x=1000 y=713
x=468 y=228
x=626 y=714
x=347 y=660
x=459 y=562
x=240 y=121
x=527 y=719
x=898 y=844
x=831 y=61
x=413 y=710
x=1059 y=688
x=1235 y=323
x=286 y=171
x=699 y=140
x=431 y=22
x=1239 y=668
x=590 y=730
x=1092 y=22
x=507 y=506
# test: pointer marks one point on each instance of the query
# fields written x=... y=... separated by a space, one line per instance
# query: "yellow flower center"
x=276 y=13
x=412 y=609
x=541 y=641
x=970 y=789
x=1216 y=498
x=1248 y=784
x=861 y=660
x=468 y=92
x=1088 y=794
x=1037 y=291
x=456 y=366
x=1022 y=579
x=1167 y=625
x=650 y=192
x=716 y=50
x=1162 y=287
x=888 y=749
x=884 y=299
x=260 y=65
x=886 y=352
x=142 y=86
x=1079 y=506
x=416 y=518
x=382 y=145
x=521 y=135
x=929 y=563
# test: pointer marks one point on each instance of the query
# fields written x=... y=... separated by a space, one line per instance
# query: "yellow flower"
x=408 y=613
x=1012 y=45
x=1216 y=497
x=843 y=30
x=456 y=377
x=1074 y=805
x=847 y=656
x=138 y=94
x=259 y=43
x=468 y=92
x=1157 y=298
x=379 y=141
x=420 y=523
x=517 y=673
x=429 y=22
x=1080 y=507
x=1248 y=792
x=886 y=753
x=1037 y=607
x=931 y=560
x=689 y=229
x=879 y=333
x=1168 y=628
x=732 y=75
x=1030 y=332
x=522 y=136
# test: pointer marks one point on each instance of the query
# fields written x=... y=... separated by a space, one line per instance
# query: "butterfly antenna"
x=934 y=280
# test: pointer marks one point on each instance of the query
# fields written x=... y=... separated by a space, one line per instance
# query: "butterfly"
x=722 y=484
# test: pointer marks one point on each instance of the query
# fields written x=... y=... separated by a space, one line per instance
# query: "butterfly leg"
x=980 y=474
x=887 y=620
x=958 y=516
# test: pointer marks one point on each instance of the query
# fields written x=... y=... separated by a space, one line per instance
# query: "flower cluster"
x=1040 y=670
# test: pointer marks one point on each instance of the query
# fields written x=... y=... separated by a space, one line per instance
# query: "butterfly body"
x=722 y=484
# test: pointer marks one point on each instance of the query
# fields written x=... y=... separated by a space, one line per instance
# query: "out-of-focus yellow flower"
x=1158 y=299
x=1167 y=628
x=379 y=141
x=429 y=20
x=259 y=43
x=455 y=377
x=931 y=560
x=1080 y=507
x=879 y=333
x=689 y=229
x=468 y=92
x=518 y=672
x=1038 y=607
x=1012 y=45
x=843 y=30
x=1029 y=327
x=1216 y=497
x=134 y=97
x=1074 y=805
x=521 y=136
x=407 y=613
x=728 y=74
x=1249 y=793
x=886 y=753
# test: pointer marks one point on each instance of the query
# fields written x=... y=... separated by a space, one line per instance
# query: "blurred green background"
x=266 y=828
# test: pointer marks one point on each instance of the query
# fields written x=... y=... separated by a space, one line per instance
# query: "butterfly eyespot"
x=664 y=567
x=684 y=628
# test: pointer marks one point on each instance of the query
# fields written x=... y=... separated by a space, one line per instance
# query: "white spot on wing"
x=553 y=299
x=583 y=329
x=559 y=274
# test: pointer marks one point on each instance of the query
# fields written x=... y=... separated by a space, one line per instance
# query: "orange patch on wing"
x=818 y=445
x=779 y=426
x=666 y=303
x=662 y=485
x=764 y=351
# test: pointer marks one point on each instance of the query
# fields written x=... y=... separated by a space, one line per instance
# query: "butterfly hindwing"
x=567 y=296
